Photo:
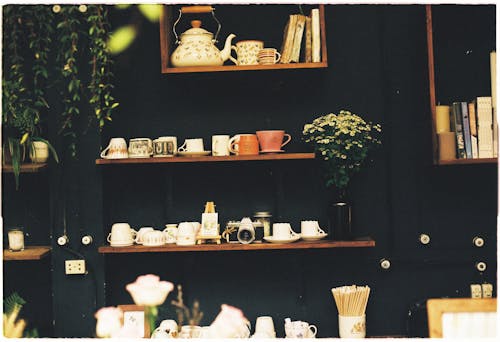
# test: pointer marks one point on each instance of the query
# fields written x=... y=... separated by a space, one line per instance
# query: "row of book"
x=475 y=127
x=302 y=39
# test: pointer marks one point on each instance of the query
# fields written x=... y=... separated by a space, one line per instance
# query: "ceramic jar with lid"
x=264 y=217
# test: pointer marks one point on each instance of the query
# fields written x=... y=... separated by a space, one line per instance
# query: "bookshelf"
x=441 y=72
x=167 y=42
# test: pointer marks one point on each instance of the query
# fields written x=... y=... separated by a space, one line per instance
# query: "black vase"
x=340 y=215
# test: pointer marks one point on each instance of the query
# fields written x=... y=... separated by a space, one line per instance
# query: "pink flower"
x=109 y=321
x=230 y=323
x=148 y=290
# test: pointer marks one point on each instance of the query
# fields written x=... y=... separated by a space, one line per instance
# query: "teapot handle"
x=196 y=9
x=231 y=57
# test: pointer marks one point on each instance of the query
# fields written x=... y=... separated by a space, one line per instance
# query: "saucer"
x=272 y=151
x=122 y=244
x=281 y=240
x=313 y=237
x=194 y=154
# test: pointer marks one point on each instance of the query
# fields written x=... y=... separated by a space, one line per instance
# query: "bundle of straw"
x=351 y=300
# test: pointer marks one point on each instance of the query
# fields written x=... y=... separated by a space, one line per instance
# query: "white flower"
x=149 y=290
x=56 y=8
x=108 y=321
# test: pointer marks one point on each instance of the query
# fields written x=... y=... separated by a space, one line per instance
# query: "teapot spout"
x=226 y=52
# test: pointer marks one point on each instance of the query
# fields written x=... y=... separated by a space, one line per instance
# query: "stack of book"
x=301 y=39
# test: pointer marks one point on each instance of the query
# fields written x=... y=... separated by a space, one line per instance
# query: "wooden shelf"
x=30 y=253
x=167 y=41
x=26 y=168
x=282 y=156
x=172 y=248
x=468 y=161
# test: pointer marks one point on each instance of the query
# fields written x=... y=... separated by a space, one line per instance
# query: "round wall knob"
x=481 y=266
x=385 y=264
x=478 y=241
x=425 y=239
x=87 y=240
x=62 y=240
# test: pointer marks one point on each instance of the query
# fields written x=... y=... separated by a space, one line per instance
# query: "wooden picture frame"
x=135 y=315
x=436 y=308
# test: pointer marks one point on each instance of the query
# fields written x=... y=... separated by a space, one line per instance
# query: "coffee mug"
x=352 y=326
x=192 y=145
x=170 y=233
x=268 y=56
x=140 y=234
x=121 y=235
x=244 y=144
x=140 y=148
x=310 y=228
x=247 y=52
x=186 y=235
x=300 y=329
x=264 y=325
x=272 y=140
x=116 y=149
x=283 y=231
x=220 y=145
x=165 y=147
x=153 y=238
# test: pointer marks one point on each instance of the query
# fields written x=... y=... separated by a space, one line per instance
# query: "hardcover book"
x=316 y=39
x=308 y=41
x=466 y=129
x=456 y=109
x=288 y=36
x=297 y=40
x=473 y=129
x=484 y=127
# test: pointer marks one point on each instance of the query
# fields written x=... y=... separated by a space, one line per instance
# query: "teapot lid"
x=196 y=29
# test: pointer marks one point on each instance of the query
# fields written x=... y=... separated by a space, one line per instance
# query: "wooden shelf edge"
x=283 y=156
x=26 y=168
x=467 y=161
x=29 y=253
x=359 y=243
x=318 y=65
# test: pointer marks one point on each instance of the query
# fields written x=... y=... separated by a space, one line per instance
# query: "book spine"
x=308 y=41
x=466 y=129
x=316 y=39
x=457 y=115
x=473 y=129
x=484 y=127
x=288 y=39
x=297 y=40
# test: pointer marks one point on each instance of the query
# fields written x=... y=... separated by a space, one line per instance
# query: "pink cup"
x=272 y=140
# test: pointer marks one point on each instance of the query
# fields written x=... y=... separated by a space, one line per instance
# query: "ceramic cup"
x=244 y=144
x=116 y=149
x=272 y=140
x=186 y=234
x=300 y=329
x=153 y=238
x=352 y=326
x=283 y=231
x=268 y=56
x=140 y=148
x=140 y=234
x=220 y=145
x=192 y=145
x=264 y=325
x=196 y=226
x=165 y=147
x=170 y=327
x=310 y=228
x=16 y=239
x=121 y=234
x=170 y=233
x=247 y=52
x=39 y=152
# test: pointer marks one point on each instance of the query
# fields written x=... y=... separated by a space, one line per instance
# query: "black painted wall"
x=378 y=69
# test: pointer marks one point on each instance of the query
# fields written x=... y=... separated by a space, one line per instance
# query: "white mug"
x=310 y=228
x=140 y=234
x=186 y=235
x=140 y=148
x=264 y=325
x=283 y=231
x=116 y=149
x=300 y=329
x=165 y=147
x=170 y=233
x=121 y=234
x=153 y=238
x=352 y=326
x=192 y=145
x=220 y=145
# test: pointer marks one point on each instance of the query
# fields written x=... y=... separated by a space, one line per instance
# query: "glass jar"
x=264 y=217
x=16 y=239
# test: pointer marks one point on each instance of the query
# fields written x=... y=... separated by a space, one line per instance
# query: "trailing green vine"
x=101 y=99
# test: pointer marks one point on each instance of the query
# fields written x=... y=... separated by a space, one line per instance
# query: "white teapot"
x=197 y=48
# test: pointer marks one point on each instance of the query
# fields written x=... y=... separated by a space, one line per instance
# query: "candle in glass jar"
x=16 y=239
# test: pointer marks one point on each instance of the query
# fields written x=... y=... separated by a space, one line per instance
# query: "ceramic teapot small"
x=197 y=48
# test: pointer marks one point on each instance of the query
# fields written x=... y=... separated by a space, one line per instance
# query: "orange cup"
x=247 y=144
x=272 y=140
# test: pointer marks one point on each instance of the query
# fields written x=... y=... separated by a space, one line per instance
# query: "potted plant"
x=343 y=141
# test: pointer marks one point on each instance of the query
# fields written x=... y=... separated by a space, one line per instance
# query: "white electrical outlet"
x=487 y=290
x=75 y=266
x=475 y=291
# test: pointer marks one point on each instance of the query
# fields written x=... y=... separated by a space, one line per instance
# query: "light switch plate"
x=475 y=291
x=487 y=290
